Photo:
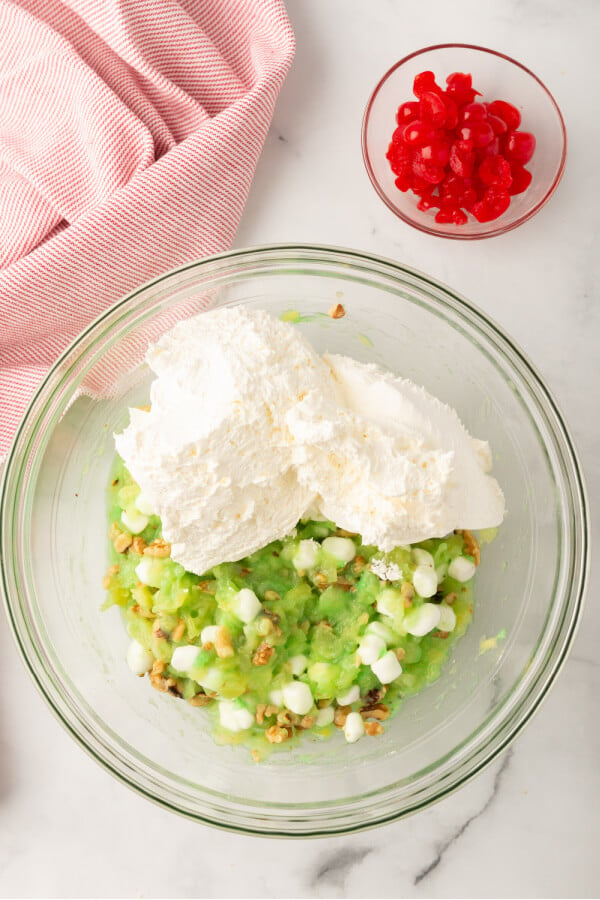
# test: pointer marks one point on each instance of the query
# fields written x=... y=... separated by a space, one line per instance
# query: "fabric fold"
x=129 y=136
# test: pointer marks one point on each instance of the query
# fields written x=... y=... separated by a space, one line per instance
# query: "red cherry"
x=428 y=171
x=473 y=112
x=479 y=132
x=495 y=170
x=498 y=124
x=432 y=109
x=417 y=133
x=462 y=158
x=521 y=179
x=494 y=203
x=403 y=182
x=438 y=152
x=507 y=112
x=425 y=82
x=459 y=86
x=407 y=112
x=519 y=146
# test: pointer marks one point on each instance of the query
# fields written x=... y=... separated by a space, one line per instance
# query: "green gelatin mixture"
x=308 y=629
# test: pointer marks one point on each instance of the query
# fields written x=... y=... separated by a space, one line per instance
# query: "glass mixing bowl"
x=530 y=583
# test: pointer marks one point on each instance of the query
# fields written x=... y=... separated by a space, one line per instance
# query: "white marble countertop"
x=530 y=825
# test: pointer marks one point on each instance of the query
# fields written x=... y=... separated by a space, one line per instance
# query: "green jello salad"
x=313 y=633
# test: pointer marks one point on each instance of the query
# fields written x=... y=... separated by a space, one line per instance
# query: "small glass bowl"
x=497 y=77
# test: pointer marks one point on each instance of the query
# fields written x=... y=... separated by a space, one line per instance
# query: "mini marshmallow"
x=447 y=618
x=421 y=620
x=350 y=697
x=234 y=717
x=354 y=727
x=143 y=505
x=324 y=717
x=370 y=649
x=387 y=668
x=340 y=548
x=425 y=581
x=139 y=659
x=246 y=605
x=298 y=664
x=461 y=568
x=306 y=555
x=149 y=571
x=133 y=520
x=208 y=635
x=183 y=658
x=422 y=557
x=297 y=697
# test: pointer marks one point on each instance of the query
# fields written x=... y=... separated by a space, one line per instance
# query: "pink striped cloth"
x=129 y=135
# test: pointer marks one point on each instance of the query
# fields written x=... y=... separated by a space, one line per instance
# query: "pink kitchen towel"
x=129 y=135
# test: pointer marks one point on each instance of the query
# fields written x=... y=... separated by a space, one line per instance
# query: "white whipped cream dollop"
x=250 y=430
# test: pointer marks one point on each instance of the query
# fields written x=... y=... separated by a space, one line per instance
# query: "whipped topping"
x=250 y=430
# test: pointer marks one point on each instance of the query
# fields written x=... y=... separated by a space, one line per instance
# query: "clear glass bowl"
x=53 y=531
x=497 y=77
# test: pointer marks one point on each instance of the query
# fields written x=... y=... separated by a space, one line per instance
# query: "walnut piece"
x=263 y=654
x=158 y=548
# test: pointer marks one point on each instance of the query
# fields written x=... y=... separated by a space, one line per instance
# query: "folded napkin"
x=129 y=135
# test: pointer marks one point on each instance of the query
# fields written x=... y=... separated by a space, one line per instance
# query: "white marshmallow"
x=298 y=664
x=208 y=635
x=390 y=603
x=183 y=658
x=381 y=631
x=246 y=605
x=324 y=717
x=139 y=659
x=447 y=618
x=354 y=727
x=425 y=581
x=297 y=697
x=422 y=557
x=234 y=717
x=276 y=697
x=133 y=520
x=149 y=571
x=387 y=668
x=370 y=649
x=350 y=697
x=306 y=555
x=421 y=620
x=340 y=548
x=461 y=568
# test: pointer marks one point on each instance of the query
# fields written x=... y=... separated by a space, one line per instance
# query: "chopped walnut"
x=263 y=654
x=321 y=704
x=112 y=570
x=157 y=631
x=255 y=756
x=158 y=548
x=122 y=542
x=373 y=728
x=399 y=653
x=272 y=595
x=158 y=667
x=285 y=717
x=450 y=598
x=275 y=734
x=378 y=711
x=178 y=631
x=407 y=591
x=223 y=644
x=141 y=611
x=307 y=721
x=375 y=695
x=200 y=700
x=265 y=711
x=337 y=311
x=114 y=531
x=320 y=580
x=138 y=545
x=471 y=545
x=340 y=716
x=359 y=564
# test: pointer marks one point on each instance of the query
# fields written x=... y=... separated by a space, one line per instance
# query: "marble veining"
x=529 y=824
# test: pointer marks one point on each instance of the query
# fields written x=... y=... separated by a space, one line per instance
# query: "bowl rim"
x=513 y=721
x=492 y=231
